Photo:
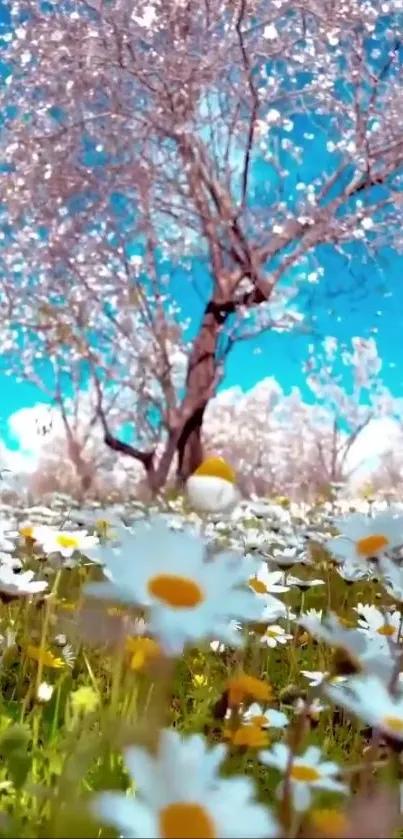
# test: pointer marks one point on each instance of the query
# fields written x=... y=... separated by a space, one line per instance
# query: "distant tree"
x=156 y=151
x=285 y=444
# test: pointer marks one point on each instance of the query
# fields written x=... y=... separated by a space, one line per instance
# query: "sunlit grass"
x=65 y=720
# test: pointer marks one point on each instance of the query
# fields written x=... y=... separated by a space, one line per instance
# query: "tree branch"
x=146 y=458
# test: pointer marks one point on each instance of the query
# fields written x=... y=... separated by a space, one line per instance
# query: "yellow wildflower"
x=44 y=657
x=328 y=823
x=250 y=736
x=243 y=686
x=142 y=650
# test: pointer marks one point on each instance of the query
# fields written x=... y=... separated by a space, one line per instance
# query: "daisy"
x=351 y=572
x=63 y=542
x=307 y=772
x=189 y=597
x=285 y=558
x=315 y=677
x=384 y=625
x=255 y=715
x=19 y=585
x=368 y=698
x=274 y=635
x=363 y=537
x=193 y=801
x=254 y=540
x=312 y=708
x=212 y=487
x=266 y=585
x=358 y=646
x=303 y=585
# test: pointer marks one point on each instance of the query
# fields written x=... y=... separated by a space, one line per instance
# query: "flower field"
x=167 y=672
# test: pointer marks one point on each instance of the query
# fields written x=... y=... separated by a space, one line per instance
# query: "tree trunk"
x=190 y=448
x=201 y=382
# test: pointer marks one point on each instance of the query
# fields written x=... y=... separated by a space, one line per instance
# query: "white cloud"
x=376 y=439
x=28 y=428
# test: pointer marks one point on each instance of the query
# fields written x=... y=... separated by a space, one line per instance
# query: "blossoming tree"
x=154 y=152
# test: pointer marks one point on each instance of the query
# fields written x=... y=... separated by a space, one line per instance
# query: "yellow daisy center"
x=257 y=585
x=66 y=541
x=216 y=467
x=386 y=629
x=306 y=774
x=184 y=820
x=395 y=724
x=176 y=591
x=272 y=633
x=371 y=545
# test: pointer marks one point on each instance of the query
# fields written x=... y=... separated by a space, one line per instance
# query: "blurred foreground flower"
x=189 y=597
x=364 y=537
x=192 y=801
x=370 y=700
x=212 y=487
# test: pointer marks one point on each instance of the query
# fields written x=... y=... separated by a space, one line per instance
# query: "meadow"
x=273 y=711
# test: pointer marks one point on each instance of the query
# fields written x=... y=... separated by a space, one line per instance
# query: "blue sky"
x=344 y=316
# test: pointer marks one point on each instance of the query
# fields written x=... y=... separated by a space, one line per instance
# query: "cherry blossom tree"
x=283 y=443
x=280 y=443
x=157 y=151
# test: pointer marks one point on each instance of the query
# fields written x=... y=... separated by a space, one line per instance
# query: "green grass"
x=55 y=755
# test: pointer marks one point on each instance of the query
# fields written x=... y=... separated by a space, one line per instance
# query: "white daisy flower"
x=266 y=584
x=308 y=772
x=192 y=801
x=303 y=585
x=285 y=558
x=351 y=572
x=372 y=620
x=62 y=541
x=255 y=715
x=254 y=540
x=363 y=537
x=19 y=585
x=189 y=597
x=363 y=649
x=274 y=635
x=315 y=677
x=313 y=708
x=212 y=487
x=368 y=698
